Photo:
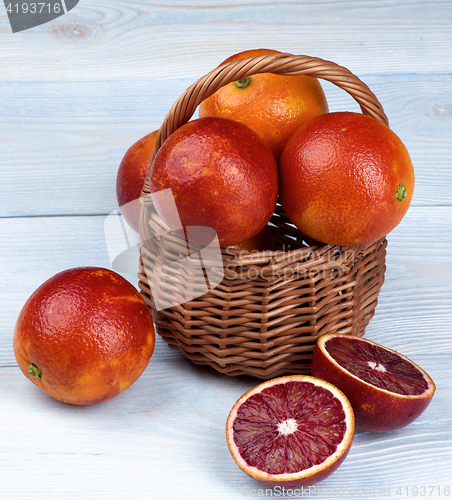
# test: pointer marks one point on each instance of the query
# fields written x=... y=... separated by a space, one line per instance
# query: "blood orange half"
x=386 y=389
x=291 y=431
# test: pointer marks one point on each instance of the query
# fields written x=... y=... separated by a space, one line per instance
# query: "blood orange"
x=274 y=106
x=84 y=336
x=386 y=390
x=291 y=431
x=222 y=176
x=345 y=179
x=131 y=175
x=261 y=242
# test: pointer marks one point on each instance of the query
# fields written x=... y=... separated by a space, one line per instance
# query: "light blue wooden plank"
x=140 y=39
x=61 y=157
x=34 y=249
x=74 y=95
x=414 y=303
x=173 y=419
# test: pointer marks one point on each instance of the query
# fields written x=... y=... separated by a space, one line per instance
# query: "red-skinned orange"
x=84 y=336
x=222 y=176
x=272 y=105
x=131 y=175
x=345 y=179
x=261 y=242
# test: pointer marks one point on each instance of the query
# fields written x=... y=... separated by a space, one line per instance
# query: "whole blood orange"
x=291 y=431
x=131 y=175
x=222 y=176
x=84 y=336
x=386 y=390
x=345 y=179
x=272 y=105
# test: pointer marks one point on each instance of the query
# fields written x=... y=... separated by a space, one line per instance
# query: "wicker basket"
x=270 y=308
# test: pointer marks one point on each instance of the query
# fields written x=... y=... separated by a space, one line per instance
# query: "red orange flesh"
x=291 y=431
x=386 y=390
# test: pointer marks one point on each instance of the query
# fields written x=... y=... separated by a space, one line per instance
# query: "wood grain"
x=74 y=95
x=63 y=156
x=417 y=284
x=106 y=40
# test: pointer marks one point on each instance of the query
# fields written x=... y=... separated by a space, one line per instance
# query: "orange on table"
x=84 y=336
x=345 y=179
x=274 y=106
x=291 y=431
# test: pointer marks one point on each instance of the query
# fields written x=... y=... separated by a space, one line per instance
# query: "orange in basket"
x=345 y=179
x=274 y=106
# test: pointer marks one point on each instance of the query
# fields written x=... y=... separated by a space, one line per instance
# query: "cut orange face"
x=386 y=390
x=291 y=431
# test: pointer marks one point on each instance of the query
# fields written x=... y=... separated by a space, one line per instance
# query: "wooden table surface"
x=75 y=93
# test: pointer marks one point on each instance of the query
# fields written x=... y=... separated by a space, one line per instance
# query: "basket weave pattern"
x=270 y=308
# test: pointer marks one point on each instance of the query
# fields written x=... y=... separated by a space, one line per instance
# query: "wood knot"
x=71 y=30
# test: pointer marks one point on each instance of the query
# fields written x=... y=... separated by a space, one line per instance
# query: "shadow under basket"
x=264 y=317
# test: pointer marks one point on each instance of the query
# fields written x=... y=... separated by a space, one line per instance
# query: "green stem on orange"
x=34 y=371
x=401 y=192
x=243 y=83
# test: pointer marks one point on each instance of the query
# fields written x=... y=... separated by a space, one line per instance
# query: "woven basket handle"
x=278 y=63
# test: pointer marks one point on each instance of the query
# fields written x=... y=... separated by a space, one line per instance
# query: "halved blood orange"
x=290 y=431
x=386 y=389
